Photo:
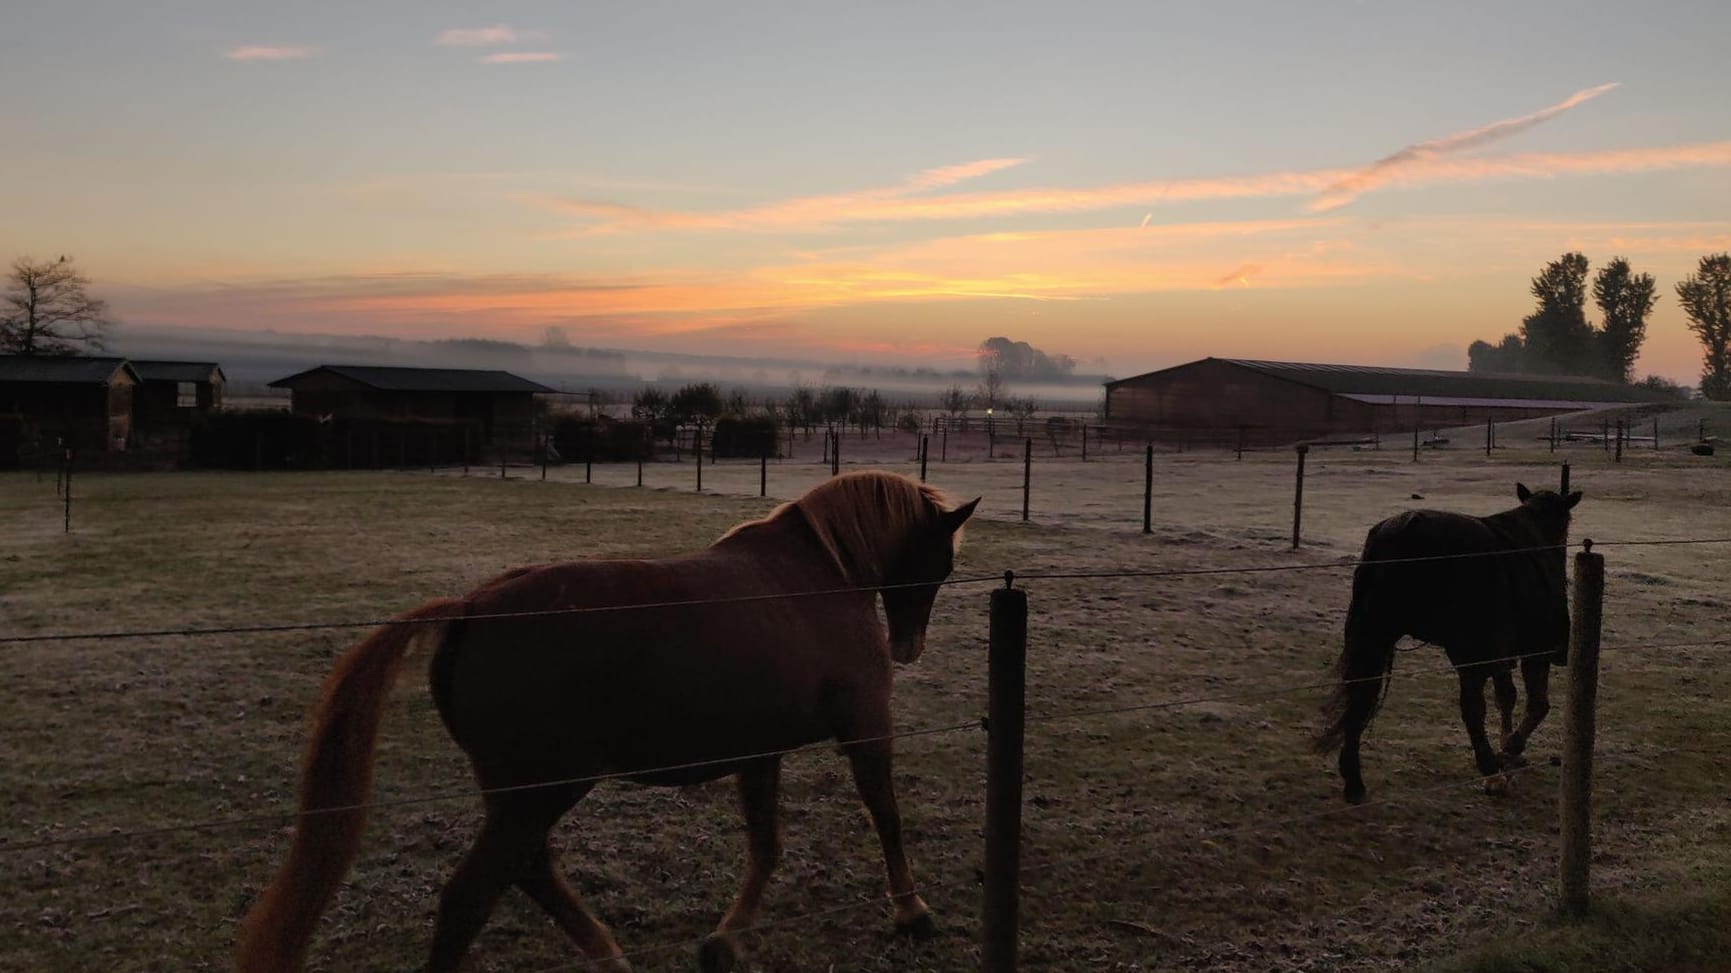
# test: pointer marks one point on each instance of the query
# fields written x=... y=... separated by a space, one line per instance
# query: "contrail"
x=1385 y=169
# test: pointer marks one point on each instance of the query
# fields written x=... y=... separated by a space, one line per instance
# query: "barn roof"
x=1365 y=380
x=63 y=369
x=177 y=371
x=396 y=379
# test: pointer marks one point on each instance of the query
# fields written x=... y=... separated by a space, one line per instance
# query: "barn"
x=86 y=402
x=497 y=401
x=171 y=395
x=1268 y=402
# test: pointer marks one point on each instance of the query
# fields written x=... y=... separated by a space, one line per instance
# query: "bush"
x=754 y=437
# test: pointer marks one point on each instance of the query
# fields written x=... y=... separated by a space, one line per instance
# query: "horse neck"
x=863 y=559
x=799 y=550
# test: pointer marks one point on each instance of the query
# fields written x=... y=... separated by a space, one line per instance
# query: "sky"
x=1134 y=185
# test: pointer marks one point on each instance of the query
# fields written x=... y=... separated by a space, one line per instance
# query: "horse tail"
x=336 y=776
x=1366 y=655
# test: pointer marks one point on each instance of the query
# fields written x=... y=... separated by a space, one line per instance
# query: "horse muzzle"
x=906 y=651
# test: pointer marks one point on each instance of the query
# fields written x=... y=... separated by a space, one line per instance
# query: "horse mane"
x=861 y=518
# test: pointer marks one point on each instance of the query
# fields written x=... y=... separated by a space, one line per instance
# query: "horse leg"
x=1504 y=682
x=1473 y=715
x=548 y=888
x=512 y=845
x=1536 y=674
x=870 y=762
x=759 y=783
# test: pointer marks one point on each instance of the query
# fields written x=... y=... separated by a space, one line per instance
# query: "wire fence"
x=276 y=818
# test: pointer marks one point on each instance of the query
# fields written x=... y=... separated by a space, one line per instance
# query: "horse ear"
x=1574 y=498
x=1522 y=492
x=954 y=519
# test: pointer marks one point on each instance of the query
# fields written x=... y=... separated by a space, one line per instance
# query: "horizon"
x=1135 y=189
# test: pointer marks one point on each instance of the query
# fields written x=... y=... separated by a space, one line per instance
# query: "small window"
x=186 y=395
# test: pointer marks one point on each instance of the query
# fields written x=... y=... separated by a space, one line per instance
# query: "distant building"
x=172 y=394
x=84 y=402
x=497 y=401
x=1274 y=402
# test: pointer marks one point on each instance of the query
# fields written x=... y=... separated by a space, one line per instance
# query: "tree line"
x=1558 y=339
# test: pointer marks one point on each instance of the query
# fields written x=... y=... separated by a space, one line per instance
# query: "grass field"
x=107 y=737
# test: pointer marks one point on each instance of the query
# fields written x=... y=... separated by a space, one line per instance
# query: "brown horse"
x=767 y=640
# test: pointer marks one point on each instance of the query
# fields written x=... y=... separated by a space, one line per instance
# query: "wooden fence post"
x=1576 y=803
x=835 y=456
x=925 y=450
x=1621 y=431
x=1655 y=434
x=1007 y=679
x=545 y=443
x=1084 y=442
x=639 y=467
x=68 y=493
x=1490 y=435
x=763 y=474
x=697 y=449
x=1148 y=491
x=1415 y=442
x=944 y=446
x=1564 y=488
x=465 y=449
x=1298 y=495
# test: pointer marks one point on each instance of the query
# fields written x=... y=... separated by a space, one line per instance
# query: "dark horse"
x=769 y=639
x=1494 y=590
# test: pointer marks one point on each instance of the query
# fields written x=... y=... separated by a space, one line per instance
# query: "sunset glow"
x=1323 y=185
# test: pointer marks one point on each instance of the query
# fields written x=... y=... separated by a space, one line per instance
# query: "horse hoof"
x=1513 y=761
x=920 y=927
x=1497 y=785
x=1356 y=795
x=719 y=953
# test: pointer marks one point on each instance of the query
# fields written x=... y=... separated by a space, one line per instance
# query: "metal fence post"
x=1007 y=678
x=1576 y=802
x=1027 y=473
x=1148 y=491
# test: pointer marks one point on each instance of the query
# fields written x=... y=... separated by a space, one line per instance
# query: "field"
x=1195 y=836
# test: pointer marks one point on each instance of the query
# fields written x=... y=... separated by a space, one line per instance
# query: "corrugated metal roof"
x=176 y=371
x=1428 y=383
x=62 y=369
x=395 y=379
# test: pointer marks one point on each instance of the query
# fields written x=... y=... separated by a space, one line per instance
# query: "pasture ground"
x=111 y=736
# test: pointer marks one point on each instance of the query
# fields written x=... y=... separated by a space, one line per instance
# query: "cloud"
x=521 y=57
x=1240 y=275
x=479 y=36
x=267 y=52
x=1388 y=168
x=905 y=202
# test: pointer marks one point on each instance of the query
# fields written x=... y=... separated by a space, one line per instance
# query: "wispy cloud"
x=904 y=203
x=521 y=57
x=267 y=52
x=479 y=36
x=1389 y=168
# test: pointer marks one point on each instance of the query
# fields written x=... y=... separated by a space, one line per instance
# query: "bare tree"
x=47 y=311
x=1706 y=299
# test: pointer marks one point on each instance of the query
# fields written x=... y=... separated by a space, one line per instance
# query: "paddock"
x=1174 y=817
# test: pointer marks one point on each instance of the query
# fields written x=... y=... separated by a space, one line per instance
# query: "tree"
x=1508 y=357
x=1557 y=336
x=46 y=310
x=694 y=402
x=1625 y=298
x=650 y=404
x=1706 y=299
x=991 y=391
x=956 y=401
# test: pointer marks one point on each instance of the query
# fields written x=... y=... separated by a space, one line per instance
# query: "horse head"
x=911 y=585
x=1550 y=509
